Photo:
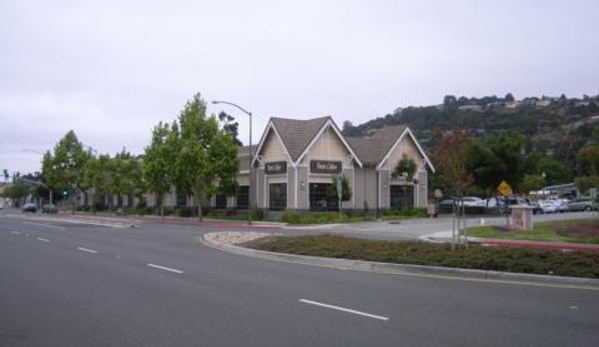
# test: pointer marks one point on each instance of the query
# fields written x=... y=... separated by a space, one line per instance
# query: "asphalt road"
x=65 y=284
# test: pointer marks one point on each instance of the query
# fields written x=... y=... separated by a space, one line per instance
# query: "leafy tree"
x=555 y=172
x=230 y=126
x=158 y=166
x=98 y=175
x=450 y=101
x=346 y=192
x=509 y=97
x=507 y=148
x=584 y=183
x=449 y=156
x=482 y=164
x=128 y=174
x=405 y=168
x=531 y=182
x=208 y=155
x=588 y=160
x=63 y=169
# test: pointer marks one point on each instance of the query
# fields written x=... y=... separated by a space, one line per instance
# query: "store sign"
x=324 y=166
x=276 y=167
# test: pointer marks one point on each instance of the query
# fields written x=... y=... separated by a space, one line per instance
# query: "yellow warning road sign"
x=504 y=188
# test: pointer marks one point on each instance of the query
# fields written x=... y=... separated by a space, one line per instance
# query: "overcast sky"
x=111 y=70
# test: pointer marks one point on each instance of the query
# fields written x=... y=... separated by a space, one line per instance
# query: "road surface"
x=68 y=284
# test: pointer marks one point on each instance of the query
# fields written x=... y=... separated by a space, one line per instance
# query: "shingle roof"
x=296 y=134
x=373 y=147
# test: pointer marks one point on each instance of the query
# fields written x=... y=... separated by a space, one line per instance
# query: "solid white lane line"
x=316 y=303
x=16 y=232
x=165 y=268
x=87 y=250
x=45 y=225
x=42 y=239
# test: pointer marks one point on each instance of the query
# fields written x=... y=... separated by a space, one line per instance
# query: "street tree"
x=158 y=166
x=63 y=168
x=207 y=159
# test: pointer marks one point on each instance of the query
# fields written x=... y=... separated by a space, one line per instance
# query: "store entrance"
x=323 y=197
x=277 y=196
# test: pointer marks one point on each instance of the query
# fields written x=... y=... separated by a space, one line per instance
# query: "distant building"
x=543 y=103
x=475 y=108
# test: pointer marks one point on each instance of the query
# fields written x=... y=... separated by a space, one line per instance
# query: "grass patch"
x=573 y=231
x=582 y=263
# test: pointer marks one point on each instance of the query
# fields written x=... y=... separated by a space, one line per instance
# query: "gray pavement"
x=68 y=284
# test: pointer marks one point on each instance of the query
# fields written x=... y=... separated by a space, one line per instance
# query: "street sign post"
x=505 y=190
x=340 y=195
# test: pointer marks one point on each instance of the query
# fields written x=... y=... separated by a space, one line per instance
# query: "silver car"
x=582 y=204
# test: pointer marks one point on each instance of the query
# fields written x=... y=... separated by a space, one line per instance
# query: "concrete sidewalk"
x=445 y=237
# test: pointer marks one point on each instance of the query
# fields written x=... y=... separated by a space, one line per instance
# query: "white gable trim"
x=409 y=133
x=329 y=123
x=272 y=127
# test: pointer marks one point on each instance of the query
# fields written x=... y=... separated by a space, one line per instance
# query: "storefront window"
x=402 y=196
x=278 y=196
x=321 y=198
x=221 y=200
x=243 y=198
x=181 y=200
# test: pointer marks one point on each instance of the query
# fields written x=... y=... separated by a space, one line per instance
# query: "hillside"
x=556 y=126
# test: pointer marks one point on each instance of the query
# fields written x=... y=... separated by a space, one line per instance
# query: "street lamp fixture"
x=216 y=102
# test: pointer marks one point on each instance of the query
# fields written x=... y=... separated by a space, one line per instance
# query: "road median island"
x=531 y=266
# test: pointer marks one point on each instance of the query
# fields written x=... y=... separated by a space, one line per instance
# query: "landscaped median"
x=506 y=259
x=584 y=231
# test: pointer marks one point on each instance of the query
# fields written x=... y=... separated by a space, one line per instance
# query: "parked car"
x=561 y=205
x=49 y=208
x=582 y=204
x=29 y=207
x=473 y=201
x=548 y=206
x=535 y=205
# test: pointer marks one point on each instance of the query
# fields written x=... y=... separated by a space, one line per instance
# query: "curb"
x=412 y=270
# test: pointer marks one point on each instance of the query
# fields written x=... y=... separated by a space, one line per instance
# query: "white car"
x=548 y=206
x=473 y=201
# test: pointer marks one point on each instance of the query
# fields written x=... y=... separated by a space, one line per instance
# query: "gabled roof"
x=375 y=147
x=296 y=134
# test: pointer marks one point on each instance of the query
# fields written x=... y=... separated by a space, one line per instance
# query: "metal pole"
x=251 y=167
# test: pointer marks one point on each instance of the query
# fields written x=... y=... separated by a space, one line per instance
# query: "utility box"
x=522 y=217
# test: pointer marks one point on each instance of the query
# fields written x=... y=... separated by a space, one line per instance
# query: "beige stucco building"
x=295 y=161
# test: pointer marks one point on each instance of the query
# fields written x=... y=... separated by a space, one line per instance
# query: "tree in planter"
x=406 y=168
x=207 y=156
x=346 y=192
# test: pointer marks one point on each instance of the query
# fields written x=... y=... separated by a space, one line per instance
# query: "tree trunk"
x=161 y=205
x=198 y=200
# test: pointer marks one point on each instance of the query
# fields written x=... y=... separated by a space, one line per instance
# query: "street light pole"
x=51 y=195
x=215 y=102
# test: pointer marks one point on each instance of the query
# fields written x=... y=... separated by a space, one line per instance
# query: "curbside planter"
x=409 y=269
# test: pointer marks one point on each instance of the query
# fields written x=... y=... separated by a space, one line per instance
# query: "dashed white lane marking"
x=87 y=250
x=16 y=232
x=46 y=225
x=42 y=239
x=343 y=309
x=165 y=268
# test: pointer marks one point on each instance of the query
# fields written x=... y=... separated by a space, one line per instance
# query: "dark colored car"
x=29 y=207
x=49 y=208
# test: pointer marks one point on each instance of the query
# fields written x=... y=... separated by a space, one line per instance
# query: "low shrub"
x=257 y=213
x=185 y=211
x=583 y=263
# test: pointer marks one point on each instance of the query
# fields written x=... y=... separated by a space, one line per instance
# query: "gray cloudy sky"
x=111 y=70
